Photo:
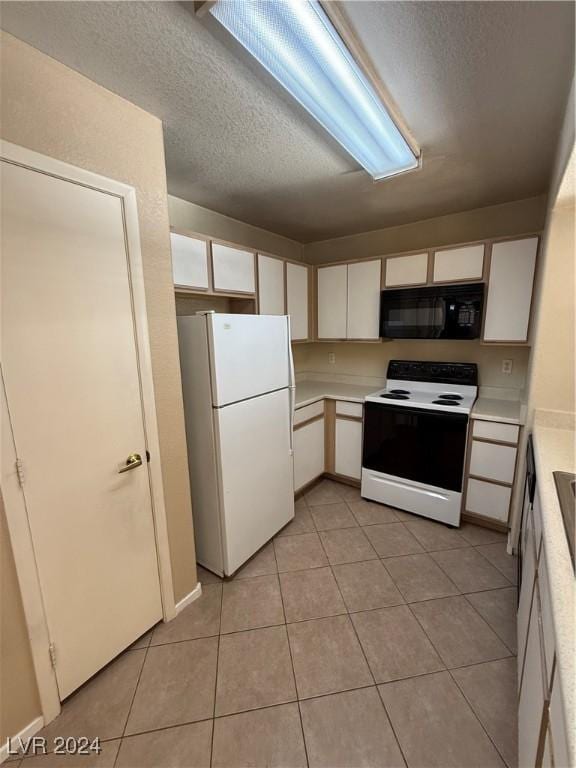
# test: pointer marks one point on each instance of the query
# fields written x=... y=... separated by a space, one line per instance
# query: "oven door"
x=415 y=444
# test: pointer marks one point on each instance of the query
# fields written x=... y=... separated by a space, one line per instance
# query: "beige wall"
x=519 y=217
x=371 y=360
x=53 y=110
x=552 y=370
x=185 y=215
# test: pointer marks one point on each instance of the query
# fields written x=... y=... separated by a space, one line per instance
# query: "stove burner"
x=450 y=397
x=392 y=396
x=444 y=402
x=400 y=391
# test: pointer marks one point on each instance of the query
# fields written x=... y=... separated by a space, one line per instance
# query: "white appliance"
x=238 y=388
x=414 y=438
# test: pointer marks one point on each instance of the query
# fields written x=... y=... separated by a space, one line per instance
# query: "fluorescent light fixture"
x=298 y=44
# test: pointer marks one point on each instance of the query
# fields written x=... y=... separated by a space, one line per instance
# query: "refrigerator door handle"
x=291 y=388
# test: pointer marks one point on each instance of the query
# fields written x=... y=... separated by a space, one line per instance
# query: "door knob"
x=133 y=461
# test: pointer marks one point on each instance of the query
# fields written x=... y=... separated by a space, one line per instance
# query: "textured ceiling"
x=481 y=85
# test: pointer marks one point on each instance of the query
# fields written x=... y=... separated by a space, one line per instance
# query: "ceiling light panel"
x=297 y=43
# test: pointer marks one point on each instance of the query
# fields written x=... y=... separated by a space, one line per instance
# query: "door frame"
x=14 y=499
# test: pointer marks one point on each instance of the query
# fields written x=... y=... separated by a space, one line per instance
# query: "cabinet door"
x=189 y=261
x=348 y=449
x=531 y=702
x=510 y=290
x=233 y=269
x=308 y=453
x=270 y=286
x=363 y=320
x=559 y=725
x=457 y=264
x=492 y=461
x=527 y=586
x=332 y=301
x=297 y=299
x=488 y=499
x=407 y=270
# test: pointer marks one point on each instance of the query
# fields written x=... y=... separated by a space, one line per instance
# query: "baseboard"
x=26 y=733
x=189 y=598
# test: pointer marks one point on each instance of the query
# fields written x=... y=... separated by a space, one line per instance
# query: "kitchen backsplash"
x=365 y=360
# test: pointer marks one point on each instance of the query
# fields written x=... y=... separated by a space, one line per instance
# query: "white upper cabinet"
x=507 y=313
x=456 y=264
x=189 y=261
x=332 y=301
x=297 y=277
x=349 y=300
x=233 y=269
x=271 y=300
x=406 y=270
x=363 y=320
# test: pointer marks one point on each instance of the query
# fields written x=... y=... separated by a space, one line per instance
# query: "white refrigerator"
x=238 y=388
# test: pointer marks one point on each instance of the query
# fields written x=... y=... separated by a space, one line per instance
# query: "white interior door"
x=257 y=493
x=248 y=356
x=73 y=390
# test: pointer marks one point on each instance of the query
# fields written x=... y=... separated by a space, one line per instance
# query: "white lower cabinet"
x=308 y=453
x=348 y=449
x=531 y=704
x=488 y=499
x=528 y=579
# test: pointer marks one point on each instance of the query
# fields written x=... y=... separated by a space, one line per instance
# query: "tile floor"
x=361 y=636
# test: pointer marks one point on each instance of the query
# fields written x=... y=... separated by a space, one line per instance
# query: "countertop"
x=309 y=391
x=554 y=451
x=492 y=409
x=488 y=409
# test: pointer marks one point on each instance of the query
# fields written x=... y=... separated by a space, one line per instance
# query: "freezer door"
x=256 y=485
x=249 y=356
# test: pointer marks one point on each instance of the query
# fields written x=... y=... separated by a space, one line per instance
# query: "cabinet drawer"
x=344 y=408
x=492 y=430
x=189 y=261
x=488 y=499
x=407 y=270
x=459 y=264
x=348 y=449
x=233 y=269
x=308 y=412
x=493 y=462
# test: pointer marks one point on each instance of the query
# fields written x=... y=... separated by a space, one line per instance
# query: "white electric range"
x=414 y=438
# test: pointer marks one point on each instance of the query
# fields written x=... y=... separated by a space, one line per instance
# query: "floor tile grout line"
x=448 y=575
x=132 y=703
x=368 y=666
x=471 y=604
x=437 y=649
x=491 y=563
x=476 y=715
x=292 y=664
x=296 y=700
x=216 y=676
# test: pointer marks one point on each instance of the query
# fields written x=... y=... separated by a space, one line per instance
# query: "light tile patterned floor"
x=361 y=636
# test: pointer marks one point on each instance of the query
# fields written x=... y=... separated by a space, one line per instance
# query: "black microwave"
x=438 y=312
